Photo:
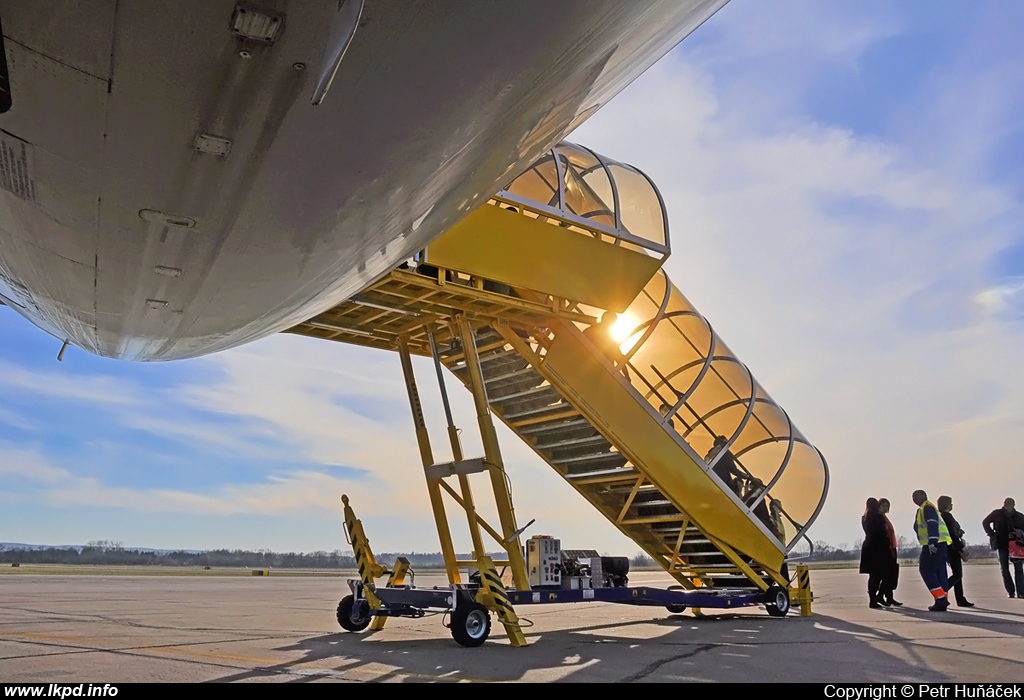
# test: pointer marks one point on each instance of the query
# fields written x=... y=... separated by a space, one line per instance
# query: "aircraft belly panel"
x=230 y=208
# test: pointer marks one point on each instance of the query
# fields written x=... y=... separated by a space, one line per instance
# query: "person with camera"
x=1005 y=529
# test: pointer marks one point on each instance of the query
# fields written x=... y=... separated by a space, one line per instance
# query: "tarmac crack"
x=652 y=667
x=53 y=616
x=66 y=652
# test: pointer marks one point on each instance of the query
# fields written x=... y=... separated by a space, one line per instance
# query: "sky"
x=844 y=184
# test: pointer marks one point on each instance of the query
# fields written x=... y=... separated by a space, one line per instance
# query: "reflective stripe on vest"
x=922 y=526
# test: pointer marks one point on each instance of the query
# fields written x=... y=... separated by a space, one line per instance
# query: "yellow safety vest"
x=922 y=526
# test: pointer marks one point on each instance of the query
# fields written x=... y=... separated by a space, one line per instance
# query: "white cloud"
x=861 y=319
x=1001 y=298
x=16 y=420
x=298 y=390
x=28 y=465
x=68 y=387
x=298 y=492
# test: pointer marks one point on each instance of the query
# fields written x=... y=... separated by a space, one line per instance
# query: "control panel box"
x=544 y=561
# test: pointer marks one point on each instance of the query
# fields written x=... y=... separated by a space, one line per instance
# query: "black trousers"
x=1018 y=571
x=956 y=580
x=890 y=579
x=875 y=593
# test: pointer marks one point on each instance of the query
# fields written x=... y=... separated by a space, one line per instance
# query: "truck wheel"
x=778 y=601
x=349 y=619
x=470 y=624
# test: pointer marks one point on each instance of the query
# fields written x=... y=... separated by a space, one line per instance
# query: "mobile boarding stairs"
x=651 y=419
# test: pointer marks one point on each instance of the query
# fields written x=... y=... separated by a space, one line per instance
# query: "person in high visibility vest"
x=933 y=535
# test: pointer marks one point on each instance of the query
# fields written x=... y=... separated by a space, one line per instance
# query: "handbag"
x=1016 y=548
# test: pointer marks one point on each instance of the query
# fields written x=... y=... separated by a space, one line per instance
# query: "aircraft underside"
x=168 y=189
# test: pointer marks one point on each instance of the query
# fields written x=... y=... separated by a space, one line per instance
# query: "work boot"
x=941 y=604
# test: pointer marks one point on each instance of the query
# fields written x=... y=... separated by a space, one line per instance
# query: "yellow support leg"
x=492 y=595
x=802 y=593
x=492 y=453
x=433 y=489
x=369 y=569
x=457 y=456
x=397 y=578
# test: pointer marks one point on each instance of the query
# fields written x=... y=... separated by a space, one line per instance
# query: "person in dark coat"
x=875 y=557
x=600 y=334
x=725 y=468
x=892 y=578
x=999 y=526
x=956 y=551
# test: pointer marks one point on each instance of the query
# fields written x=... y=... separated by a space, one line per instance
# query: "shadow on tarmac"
x=708 y=647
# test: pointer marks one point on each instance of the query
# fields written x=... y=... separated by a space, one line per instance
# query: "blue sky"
x=844 y=186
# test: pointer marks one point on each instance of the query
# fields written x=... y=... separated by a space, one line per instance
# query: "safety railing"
x=700 y=391
x=574 y=185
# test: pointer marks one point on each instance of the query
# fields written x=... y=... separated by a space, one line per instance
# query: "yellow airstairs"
x=651 y=419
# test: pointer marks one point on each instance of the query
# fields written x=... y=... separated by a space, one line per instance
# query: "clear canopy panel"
x=702 y=392
x=610 y=199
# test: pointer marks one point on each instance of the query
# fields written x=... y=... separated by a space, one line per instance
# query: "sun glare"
x=621 y=328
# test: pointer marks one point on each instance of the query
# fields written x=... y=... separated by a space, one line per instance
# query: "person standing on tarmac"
x=874 y=553
x=957 y=553
x=892 y=576
x=1000 y=526
x=933 y=536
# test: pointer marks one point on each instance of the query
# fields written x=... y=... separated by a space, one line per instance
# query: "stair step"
x=498 y=354
x=621 y=489
x=525 y=372
x=675 y=530
x=687 y=541
x=555 y=425
x=572 y=442
x=524 y=394
x=534 y=411
x=486 y=346
x=652 y=503
x=647 y=520
x=592 y=457
x=603 y=474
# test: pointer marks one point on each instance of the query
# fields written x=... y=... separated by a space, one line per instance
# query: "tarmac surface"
x=108 y=629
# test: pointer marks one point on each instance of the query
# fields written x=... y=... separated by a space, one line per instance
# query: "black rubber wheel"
x=675 y=609
x=778 y=605
x=470 y=624
x=348 y=619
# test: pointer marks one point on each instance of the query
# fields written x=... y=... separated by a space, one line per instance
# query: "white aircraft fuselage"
x=168 y=189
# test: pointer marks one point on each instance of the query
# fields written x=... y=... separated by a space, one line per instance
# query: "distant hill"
x=79 y=547
x=103 y=552
x=33 y=547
